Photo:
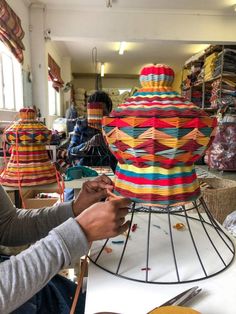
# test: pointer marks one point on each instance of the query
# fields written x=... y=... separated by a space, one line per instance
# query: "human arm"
x=25 y=274
x=31 y=225
x=34 y=224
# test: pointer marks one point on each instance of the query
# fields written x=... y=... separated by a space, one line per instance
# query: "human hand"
x=91 y=192
x=104 y=219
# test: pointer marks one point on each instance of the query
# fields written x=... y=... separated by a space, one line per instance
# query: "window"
x=11 y=87
x=53 y=100
x=123 y=90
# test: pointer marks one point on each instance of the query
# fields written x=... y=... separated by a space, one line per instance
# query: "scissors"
x=181 y=298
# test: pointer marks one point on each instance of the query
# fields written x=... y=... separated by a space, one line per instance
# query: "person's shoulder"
x=82 y=123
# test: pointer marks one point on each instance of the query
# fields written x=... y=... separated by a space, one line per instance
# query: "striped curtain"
x=54 y=73
x=11 y=32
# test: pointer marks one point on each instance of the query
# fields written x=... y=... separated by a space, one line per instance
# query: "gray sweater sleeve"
x=20 y=226
x=28 y=272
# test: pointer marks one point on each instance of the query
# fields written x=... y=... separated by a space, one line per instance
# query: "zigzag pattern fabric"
x=29 y=163
x=156 y=136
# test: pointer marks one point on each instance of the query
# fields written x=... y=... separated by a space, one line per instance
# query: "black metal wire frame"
x=181 y=211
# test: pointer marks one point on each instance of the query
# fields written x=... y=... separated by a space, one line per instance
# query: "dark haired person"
x=87 y=146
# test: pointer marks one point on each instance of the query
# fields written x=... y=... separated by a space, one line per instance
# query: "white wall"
x=64 y=63
x=89 y=83
x=133 y=25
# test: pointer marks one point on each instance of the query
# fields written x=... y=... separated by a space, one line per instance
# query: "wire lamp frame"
x=157 y=135
x=167 y=246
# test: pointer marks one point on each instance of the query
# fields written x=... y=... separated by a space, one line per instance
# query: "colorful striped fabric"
x=156 y=136
x=95 y=114
x=29 y=163
x=11 y=31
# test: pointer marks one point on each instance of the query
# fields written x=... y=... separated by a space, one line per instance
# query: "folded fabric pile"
x=227 y=59
x=221 y=154
x=223 y=93
x=80 y=102
x=197 y=97
x=209 y=66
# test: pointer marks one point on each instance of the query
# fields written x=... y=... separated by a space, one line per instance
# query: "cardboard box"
x=31 y=201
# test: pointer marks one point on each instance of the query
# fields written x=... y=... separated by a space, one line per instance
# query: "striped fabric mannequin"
x=29 y=163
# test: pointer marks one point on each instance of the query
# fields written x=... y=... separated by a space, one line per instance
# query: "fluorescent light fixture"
x=102 y=69
x=122 y=47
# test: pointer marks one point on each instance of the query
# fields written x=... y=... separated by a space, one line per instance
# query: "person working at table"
x=61 y=235
x=87 y=146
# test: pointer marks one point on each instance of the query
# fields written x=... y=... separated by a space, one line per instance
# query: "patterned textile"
x=95 y=114
x=54 y=72
x=29 y=163
x=156 y=136
x=11 y=32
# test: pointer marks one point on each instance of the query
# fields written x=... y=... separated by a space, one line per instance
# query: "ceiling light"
x=122 y=47
x=102 y=69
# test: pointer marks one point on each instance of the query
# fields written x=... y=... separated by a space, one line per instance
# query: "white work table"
x=108 y=292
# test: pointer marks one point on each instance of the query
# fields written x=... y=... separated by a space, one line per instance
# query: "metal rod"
x=101 y=250
x=148 y=243
x=194 y=243
x=127 y=238
x=218 y=253
x=172 y=245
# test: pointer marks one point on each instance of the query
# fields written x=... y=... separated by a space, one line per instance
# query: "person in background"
x=87 y=146
x=61 y=235
x=71 y=117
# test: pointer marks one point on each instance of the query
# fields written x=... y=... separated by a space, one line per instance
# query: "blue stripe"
x=155 y=176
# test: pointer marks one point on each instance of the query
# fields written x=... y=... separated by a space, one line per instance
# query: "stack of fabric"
x=222 y=90
x=209 y=66
x=80 y=101
x=225 y=62
x=207 y=96
x=197 y=97
x=114 y=94
x=156 y=136
x=222 y=152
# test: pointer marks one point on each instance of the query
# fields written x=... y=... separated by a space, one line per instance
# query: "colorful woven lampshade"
x=29 y=163
x=95 y=114
x=156 y=136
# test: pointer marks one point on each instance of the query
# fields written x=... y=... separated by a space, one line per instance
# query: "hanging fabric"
x=54 y=73
x=11 y=32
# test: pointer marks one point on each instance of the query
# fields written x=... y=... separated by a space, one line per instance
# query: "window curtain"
x=11 y=32
x=54 y=73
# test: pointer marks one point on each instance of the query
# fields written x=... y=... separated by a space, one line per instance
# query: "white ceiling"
x=137 y=53
x=221 y=5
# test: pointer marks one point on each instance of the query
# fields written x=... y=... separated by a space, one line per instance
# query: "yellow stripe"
x=155 y=169
x=35 y=168
x=158 y=106
x=31 y=148
x=171 y=190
